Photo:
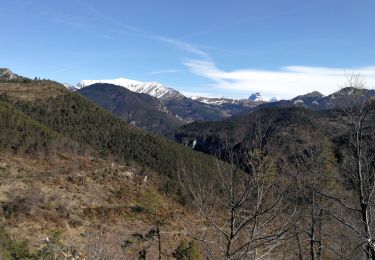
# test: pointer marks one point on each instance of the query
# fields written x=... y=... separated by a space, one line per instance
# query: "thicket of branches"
x=296 y=195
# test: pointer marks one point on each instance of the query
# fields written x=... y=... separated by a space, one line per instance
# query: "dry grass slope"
x=32 y=91
x=93 y=205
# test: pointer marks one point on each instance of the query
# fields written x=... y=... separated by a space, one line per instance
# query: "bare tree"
x=243 y=205
x=357 y=165
x=307 y=164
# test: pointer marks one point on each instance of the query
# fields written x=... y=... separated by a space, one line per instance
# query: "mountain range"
x=75 y=166
x=317 y=101
x=70 y=170
x=174 y=104
x=139 y=109
x=160 y=109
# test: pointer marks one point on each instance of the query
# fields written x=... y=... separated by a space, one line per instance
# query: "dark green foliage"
x=144 y=110
x=214 y=137
x=18 y=80
x=192 y=110
x=73 y=116
x=19 y=250
x=18 y=131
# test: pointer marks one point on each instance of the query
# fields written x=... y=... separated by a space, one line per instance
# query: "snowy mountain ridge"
x=164 y=93
x=154 y=89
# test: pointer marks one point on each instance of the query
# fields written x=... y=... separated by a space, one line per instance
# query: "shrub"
x=187 y=251
x=10 y=249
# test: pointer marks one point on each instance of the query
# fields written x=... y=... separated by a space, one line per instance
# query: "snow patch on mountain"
x=218 y=101
x=70 y=87
x=256 y=97
x=298 y=101
x=154 y=89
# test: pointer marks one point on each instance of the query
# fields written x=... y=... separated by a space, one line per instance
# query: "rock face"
x=8 y=75
x=256 y=97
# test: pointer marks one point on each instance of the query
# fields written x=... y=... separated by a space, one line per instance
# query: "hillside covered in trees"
x=77 y=181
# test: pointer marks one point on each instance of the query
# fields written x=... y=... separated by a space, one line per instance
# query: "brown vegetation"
x=94 y=205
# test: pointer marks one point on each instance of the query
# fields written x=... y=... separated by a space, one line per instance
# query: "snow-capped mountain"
x=260 y=98
x=216 y=101
x=154 y=89
x=224 y=100
x=70 y=87
x=257 y=97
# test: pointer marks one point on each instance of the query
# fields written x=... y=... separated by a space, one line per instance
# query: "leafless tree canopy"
x=244 y=208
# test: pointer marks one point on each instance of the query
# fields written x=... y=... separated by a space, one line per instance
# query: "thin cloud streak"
x=185 y=46
x=70 y=21
x=168 y=71
x=113 y=21
x=286 y=82
x=181 y=45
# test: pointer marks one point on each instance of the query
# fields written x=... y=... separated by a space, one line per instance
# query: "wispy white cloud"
x=112 y=20
x=168 y=71
x=71 y=21
x=285 y=82
x=190 y=48
x=182 y=45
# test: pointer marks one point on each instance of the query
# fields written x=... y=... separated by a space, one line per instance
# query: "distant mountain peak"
x=257 y=97
x=314 y=94
x=7 y=74
x=274 y=99
x=154 y=89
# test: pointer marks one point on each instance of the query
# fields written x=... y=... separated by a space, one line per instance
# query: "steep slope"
x=186 y=108
x=20 y=132
x=70 y=205
x=257 y=97
x=346 y=96
x=214 y=137
x=154 y=89
x=73 y=116
x=60 y=202
x=229 y=106
x=191 y=110
x=8 y=75
x=31 y=90
x=141 y=110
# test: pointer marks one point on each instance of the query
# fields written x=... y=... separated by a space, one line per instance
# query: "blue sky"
x=214 y=48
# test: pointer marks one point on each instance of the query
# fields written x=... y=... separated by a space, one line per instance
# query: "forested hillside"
x=139 y=109
x=73 y=116
x=289 y=185
x=18 y=131
x=56 y=144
